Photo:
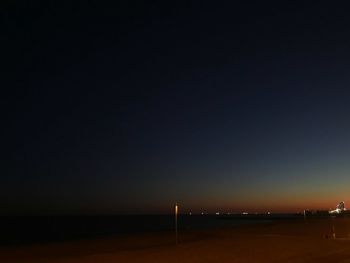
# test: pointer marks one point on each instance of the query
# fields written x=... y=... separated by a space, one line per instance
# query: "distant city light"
x=339 y=209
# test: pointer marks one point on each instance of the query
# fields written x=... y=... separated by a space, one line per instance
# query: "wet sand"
x=308 y=240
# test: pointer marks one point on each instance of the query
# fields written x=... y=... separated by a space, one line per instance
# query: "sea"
x=21 y=230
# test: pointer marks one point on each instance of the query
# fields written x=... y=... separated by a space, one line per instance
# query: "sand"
x=308 y=240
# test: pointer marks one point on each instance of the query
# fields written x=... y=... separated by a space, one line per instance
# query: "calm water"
x=43 y=229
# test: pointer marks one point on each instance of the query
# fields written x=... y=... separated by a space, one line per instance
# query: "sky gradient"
x=131 y=107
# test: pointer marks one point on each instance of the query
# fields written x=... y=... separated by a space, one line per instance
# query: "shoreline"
x=22 y=231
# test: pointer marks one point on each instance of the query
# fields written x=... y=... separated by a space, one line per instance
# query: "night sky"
x=129 y=107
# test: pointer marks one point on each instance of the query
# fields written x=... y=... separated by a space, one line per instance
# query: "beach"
x=300 y=240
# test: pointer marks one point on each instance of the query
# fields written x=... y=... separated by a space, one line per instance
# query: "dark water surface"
x=44 y=229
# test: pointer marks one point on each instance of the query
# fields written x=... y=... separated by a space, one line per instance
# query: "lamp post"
x=176 y=213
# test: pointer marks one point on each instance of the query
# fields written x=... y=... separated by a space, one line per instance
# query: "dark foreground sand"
x=289 y=241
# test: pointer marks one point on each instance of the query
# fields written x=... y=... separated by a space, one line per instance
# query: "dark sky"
x=129 y=107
